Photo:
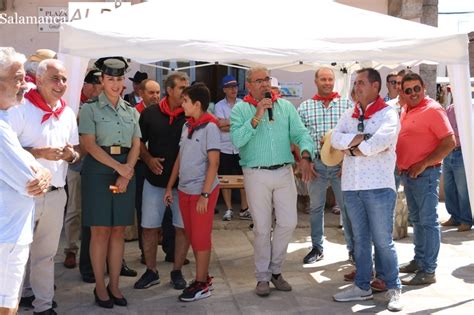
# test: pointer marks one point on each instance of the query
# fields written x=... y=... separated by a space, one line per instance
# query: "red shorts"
x=198 y=226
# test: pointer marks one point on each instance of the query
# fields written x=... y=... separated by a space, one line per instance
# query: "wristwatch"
x=205 y=195
x=367 y=136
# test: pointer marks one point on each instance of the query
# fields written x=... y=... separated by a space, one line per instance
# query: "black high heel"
x=105 y=304
x=117 y=301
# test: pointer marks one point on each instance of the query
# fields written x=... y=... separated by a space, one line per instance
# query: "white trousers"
x=13 y=258
x=268 y=189
x=39 y=277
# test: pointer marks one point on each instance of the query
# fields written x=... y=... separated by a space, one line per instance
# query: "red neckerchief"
x=202 y=121
x=165 y=109
x=379 y=104
x=37 y=100
x=250 y=99
x=328 y=98
x=30 y=78
x=83 y=98
x=140 y=107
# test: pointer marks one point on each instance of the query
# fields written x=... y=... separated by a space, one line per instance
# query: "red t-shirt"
x=422 y=129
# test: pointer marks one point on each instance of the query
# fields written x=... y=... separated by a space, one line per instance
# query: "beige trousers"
x=268 y=189
x=72 y=218
x=39 y=276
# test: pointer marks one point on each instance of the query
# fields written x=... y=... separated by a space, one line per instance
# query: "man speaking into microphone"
x=266 y=160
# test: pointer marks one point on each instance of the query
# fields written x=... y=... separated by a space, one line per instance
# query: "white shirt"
x=222 y=111
x=16 y=206
x=25 y=120
x=375 y=170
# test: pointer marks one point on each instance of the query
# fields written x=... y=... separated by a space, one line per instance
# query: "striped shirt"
x=269 y=143
x=319 y=119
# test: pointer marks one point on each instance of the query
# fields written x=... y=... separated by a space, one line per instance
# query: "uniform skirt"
x=100 y=207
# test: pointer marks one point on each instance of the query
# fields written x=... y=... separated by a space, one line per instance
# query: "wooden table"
x=231 y=181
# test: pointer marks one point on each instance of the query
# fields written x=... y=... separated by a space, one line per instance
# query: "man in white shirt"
x=368 y=134
x=21 y=178
x=47 y=128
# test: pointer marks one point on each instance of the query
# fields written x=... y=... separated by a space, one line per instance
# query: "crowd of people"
x=159 y=159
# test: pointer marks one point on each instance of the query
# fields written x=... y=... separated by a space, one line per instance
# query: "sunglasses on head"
x=415 y=89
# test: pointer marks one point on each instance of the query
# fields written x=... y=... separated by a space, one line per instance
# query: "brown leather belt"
x=116 y=150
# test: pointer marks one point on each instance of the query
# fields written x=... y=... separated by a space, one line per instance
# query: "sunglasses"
x=360 y=126
x=393 y=82
x=415 y=89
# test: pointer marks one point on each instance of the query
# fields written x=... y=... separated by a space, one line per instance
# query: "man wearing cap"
x=229 y=158
x=47 y=128
x=133 y=98
x=321 y=114
x=21 y=178
x=91 y=88
x=368 y=134
x=32 y=64
x=161 y=128
x=266 y=159
x=426 y=138
x=275 y=86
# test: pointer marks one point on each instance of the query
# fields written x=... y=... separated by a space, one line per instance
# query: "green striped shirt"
x=269 y=143
x=319 y=119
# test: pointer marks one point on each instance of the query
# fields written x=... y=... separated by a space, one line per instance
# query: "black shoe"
x=171 y=260
x=148 y=279
x=88 y=278
x=105 y=304
x=47 y=312
x=177 y=280
x=117 y=301
x=28 y=302
x=313 y=256
x=127 y=272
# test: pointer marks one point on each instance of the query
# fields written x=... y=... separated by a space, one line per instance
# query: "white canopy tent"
x=292 y=35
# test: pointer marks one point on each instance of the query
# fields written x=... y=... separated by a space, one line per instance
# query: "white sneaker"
x=228 y=215
x=353 y=293
x=394 y=300
x=245 y=215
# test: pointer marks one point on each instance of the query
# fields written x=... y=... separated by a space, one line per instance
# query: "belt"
x=457 y=148
x=53 y=188
x=432 y=166
x=116 y=150
x=270 y=168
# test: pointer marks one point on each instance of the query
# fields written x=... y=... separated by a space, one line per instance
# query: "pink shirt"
x=422 y=129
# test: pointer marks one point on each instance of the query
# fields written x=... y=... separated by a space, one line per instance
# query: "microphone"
x=270 y=111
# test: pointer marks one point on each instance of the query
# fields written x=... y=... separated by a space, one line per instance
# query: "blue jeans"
x=371 y=216
x=422 y=195
x=317 y=191
x=455 y=188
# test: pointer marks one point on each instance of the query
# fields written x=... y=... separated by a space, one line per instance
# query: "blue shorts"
x=153 y=207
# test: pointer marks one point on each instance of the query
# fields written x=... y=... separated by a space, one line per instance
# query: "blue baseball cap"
x=228 y=81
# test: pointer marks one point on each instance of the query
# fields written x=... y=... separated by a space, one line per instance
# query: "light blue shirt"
x=222 y=111
x=16 y=206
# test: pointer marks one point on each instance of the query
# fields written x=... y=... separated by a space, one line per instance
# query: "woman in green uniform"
x=110 y=134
